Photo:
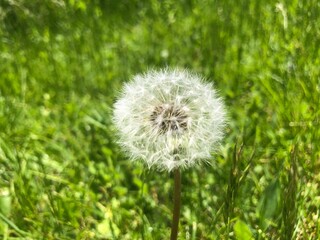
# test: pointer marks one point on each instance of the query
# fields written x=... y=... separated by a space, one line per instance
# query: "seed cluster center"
x=169 y=118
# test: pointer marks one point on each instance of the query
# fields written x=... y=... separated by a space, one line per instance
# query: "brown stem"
x=177 y=204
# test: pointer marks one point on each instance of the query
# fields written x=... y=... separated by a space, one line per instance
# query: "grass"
x=62 y=64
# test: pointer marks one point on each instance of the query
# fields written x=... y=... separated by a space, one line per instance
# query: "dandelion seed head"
x=169 y=119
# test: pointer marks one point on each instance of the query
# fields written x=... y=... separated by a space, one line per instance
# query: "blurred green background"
x=62 y=65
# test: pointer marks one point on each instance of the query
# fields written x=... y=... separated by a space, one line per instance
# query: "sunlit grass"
x=62 y=64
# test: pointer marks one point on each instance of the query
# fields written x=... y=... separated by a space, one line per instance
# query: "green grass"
x=62 y=65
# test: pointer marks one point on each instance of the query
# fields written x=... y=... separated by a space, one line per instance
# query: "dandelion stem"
x=177 y=204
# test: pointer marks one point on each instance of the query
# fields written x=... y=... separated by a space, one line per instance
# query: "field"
x=62 y=66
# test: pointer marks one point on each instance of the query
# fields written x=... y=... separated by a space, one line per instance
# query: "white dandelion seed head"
x=169 y=119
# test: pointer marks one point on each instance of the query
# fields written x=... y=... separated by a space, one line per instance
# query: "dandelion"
x=170 y=119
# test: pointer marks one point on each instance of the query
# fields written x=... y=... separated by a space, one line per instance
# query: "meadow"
x=62 y=66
